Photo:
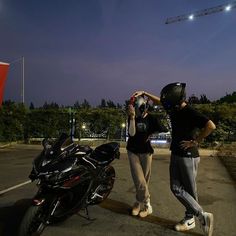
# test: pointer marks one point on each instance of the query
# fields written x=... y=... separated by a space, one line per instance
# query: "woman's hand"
x=138 y=93
x=131 y=111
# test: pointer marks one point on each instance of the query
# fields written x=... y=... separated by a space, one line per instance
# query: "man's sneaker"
x=147 y=210
x=136 y=209
x=206 y=219
x=185 y=224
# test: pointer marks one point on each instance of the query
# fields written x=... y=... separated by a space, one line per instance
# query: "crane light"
x=191 y=17
x=228 y=8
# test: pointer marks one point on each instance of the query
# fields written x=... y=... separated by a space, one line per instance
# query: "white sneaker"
x=206 y=219
x=136 y=209
x=185 y=224
x=147 y=210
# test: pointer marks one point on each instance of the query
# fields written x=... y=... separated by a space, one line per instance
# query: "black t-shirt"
x=185 y=123
x=140 y=143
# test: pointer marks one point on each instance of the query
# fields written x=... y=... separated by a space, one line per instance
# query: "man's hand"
x=187 y=144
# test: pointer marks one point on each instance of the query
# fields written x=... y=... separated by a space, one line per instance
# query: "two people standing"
x=184 y=152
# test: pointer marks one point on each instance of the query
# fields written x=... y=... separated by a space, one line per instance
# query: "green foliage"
x=47 y=123
x=228 y=98
x=12 y=121
x=195 y=100
x=20 y=123
x=224 y=116
x=100 y=121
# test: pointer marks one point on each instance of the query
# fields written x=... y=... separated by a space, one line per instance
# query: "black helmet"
x=172 y=95
x=140 y=105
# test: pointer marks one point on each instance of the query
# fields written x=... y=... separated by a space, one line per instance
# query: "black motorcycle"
x=70 y=178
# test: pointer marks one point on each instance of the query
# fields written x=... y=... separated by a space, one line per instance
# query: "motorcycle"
x=70 y=177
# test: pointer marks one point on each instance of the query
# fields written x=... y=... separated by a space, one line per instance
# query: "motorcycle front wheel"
x=33 y=222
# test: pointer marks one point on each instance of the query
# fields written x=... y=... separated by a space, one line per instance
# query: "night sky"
x=95 y=49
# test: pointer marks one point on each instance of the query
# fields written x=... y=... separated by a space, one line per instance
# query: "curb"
x=7 y=144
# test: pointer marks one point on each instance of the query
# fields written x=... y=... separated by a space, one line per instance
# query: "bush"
x=227 y=154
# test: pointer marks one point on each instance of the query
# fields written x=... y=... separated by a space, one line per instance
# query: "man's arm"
x=207 y=130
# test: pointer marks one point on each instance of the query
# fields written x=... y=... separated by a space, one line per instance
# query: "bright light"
x=83 y=126
x=123 y=125
x=228 y=8
x=191 y=17
x=158 y=141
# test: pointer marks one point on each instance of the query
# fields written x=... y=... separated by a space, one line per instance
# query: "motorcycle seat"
x=105 y=153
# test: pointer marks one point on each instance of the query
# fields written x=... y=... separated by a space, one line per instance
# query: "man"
x=141 y=125
x=184 y=153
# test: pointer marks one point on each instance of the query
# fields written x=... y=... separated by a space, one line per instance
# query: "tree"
x=204 y=100
x=103 y=103
x=31 y=107
x=111 y=104
x=228 y=98
x=77 y=105
x=85 y=104
x=12 y=121
x=51 y=105
x=193 y=99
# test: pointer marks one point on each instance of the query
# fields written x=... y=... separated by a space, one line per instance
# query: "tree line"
x=19 y=122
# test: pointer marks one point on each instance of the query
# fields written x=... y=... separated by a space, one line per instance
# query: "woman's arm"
x=132 y=129
x=154 y=98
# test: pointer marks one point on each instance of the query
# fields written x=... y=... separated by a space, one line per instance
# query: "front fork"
x=48 y=201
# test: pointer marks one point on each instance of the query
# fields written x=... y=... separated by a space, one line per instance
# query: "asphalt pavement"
x=217 y=194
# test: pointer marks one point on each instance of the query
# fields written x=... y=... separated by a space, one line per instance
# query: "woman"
x=141 y=125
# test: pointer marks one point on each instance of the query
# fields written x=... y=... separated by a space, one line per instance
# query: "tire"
x=105 y=187
x=59 y=214
x=110 y=179
x=33 y=222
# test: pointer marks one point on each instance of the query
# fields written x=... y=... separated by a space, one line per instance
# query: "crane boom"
x=204 y=12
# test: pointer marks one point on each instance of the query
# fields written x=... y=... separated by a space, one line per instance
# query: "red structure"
x=3 y=75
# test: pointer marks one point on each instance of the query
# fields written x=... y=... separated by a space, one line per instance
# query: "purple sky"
x=94 y=49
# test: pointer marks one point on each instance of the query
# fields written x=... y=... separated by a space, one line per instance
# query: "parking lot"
x=216 y=189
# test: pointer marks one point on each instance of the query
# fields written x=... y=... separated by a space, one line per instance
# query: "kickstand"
x=86 y=215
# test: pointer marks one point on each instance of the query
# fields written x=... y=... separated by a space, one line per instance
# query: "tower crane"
x=204 y=12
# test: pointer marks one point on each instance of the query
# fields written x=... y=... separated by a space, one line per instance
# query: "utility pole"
x=22 y=77
x=23 y=80
x=72 y=123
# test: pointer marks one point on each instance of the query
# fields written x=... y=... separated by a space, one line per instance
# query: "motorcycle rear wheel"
x=110 y=179
x=105 y=186
x=33 y=222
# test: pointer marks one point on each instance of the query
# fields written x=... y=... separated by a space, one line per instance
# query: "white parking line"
x=14 y=187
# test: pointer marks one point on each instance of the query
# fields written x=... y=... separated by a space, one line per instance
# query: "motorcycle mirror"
x=46 y=143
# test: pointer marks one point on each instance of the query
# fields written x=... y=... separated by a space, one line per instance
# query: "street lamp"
x=81 y=130
x=122 y=131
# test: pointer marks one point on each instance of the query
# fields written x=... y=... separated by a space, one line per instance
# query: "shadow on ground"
x=122 y=208
x=11 y=216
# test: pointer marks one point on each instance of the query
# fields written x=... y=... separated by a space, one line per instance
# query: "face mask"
x=140 y=111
